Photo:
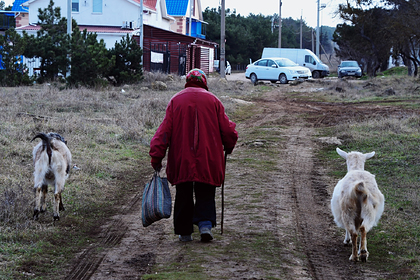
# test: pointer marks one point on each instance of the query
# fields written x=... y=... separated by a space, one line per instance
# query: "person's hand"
x=157 y=166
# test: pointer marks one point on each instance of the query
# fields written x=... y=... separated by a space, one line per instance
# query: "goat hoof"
x=35 y=216
x=353 y=258
x=56 y=218
x=364 y=255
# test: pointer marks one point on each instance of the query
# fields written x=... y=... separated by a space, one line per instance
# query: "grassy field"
x=108 y=132
x=395 y=138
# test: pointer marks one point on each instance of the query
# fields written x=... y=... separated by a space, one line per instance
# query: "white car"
x=228 y=68
x=276 y=69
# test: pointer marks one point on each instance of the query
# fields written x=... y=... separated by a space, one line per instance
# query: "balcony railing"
x=7 y=20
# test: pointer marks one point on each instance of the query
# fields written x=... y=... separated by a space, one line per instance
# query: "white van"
x=303 y=57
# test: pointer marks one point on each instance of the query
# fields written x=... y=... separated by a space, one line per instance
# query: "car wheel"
x=316 y=75
x=283 y=79
x=254 y=79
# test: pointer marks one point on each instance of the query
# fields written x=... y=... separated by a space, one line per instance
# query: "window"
x=97 y=6
x=270 y=63
x=309 y=59
x=75 y=5
x=262 y=62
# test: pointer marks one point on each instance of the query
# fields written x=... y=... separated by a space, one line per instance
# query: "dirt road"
x=277 y=218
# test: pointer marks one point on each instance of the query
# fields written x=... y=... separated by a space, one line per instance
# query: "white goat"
x=357 y=204
x=52 y=160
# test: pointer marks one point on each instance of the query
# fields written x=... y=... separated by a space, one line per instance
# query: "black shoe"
x=206 y=235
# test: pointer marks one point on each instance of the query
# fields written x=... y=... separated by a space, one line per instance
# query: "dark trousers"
x=186 y=213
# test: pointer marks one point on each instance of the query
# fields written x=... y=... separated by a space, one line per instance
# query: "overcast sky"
x=8 y=2
x=290 y=8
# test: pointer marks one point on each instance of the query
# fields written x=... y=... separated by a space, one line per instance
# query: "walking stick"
x=223 y=197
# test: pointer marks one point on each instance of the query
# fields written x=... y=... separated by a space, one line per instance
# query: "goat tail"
x=46 y=144
x=360 y=192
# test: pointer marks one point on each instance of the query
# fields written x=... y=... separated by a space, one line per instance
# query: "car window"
x=309 y=59
x=349 y=64
x=285 y=62
x=270 y=63
x=262 y=62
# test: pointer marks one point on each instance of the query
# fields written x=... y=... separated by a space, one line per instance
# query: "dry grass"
x=108 y=132
x=347 y=89
x=96 y=123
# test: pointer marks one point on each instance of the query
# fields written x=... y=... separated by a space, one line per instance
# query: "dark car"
x=349 y=68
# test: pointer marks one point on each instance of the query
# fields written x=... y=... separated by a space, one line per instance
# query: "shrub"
x=90 y=62
x=127 y=67
x=13 y=72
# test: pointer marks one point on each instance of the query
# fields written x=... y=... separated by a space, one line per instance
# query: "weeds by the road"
x=395 y=244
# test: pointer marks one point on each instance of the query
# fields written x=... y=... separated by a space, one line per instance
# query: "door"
x=310 y=62
x=272 y=70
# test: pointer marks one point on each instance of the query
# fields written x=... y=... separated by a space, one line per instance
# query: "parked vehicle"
x=228 y=68
x=349 y=68
x=303 y=57
x=276 y=69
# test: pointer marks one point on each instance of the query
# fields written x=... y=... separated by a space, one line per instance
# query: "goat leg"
x=347 y=238
x=37 y=202
x=56 y=206
x=363 y=252
x=43 y=200
x=354 y=256
x=61 y=206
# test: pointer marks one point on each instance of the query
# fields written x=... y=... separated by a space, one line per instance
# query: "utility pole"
x=222 y=65
x=69 y=17
x=190 y=23
x=280 y=25
x=317 y=30
x=141 y=29
x=69 y=33
x=301 y=43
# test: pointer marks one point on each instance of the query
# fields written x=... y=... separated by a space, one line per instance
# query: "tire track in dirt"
x=305 y=183
x=311 y=219
x=92 y=257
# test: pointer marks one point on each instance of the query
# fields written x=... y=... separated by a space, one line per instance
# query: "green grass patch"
x=395 y=71
x=395 y=243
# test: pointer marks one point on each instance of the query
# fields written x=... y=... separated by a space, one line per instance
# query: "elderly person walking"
x=196 y=130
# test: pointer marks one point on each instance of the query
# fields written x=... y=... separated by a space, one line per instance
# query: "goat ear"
x=342 y=153
x=369 y=155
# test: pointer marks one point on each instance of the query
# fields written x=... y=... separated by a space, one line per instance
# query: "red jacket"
x=195 y=129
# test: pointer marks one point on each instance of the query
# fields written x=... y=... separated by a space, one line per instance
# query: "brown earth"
x=294 y=208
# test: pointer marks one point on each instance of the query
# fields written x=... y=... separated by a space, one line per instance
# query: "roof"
x=89 y=28
x=177 y=7
x=150 y=4
x=17 y=6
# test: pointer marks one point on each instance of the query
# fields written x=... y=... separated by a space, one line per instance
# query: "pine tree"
x=90 y=62
x=52 y=43
x=128 y=67
x=14 y=72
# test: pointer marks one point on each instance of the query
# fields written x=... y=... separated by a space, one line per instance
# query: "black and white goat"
x=357 y=203
x=52 y=160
